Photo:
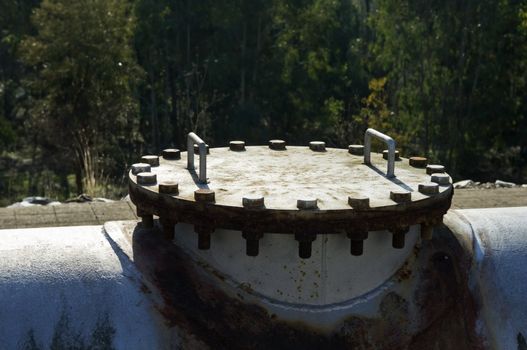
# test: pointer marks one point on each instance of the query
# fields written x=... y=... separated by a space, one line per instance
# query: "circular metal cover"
x=283 y=178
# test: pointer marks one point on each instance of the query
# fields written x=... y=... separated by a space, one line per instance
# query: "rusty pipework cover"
x=301 y=190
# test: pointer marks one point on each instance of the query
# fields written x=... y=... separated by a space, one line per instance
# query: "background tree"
x=83 y=84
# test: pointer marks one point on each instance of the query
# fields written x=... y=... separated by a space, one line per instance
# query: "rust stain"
x=439 y=314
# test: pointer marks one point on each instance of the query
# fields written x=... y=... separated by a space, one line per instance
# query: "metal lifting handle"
x=391 y=149
x=191 y=139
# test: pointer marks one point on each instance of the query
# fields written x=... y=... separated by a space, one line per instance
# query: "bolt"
x=434 y=168
x=147 y=219
x=140 y=168
x=204 y=195
x=429 y=188
x=357 y=150
x=168 y=228
x=252 y=242
x=426 y=231
x=146 y=179
x=168 y=187
x=359 y=202
x=204 y=232
x=418 y=162
x=357 y=238
x=398 y=237
x=237 y=146
x=304 y=204
x=253 y=202
x=277 y=145
x=385 y=154
x=171 y=154
x=196 y=149
x=304 y=244
x=440 y=179
x=317 y=146
x=401 y=196
x=150 y=159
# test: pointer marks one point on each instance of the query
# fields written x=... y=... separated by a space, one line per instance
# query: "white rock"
x=464 y=184
x=500 y=183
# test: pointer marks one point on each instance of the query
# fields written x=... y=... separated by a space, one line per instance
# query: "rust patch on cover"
x=438 y=314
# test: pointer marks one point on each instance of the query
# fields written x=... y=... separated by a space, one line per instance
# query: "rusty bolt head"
x=317 y=146
x=418 y=162
x=146 y=179
x=304 y=244
x=304 y=204
x=277 y=145
x=171 y=154
x=401 y=196
x=204 y=233
x=357 y=150
x=426 y=231
x=385 y=154
x=196 y=149
x=140 y=168
x=359 y=202
x=204 y=195
x=429 y=188
x=440 y=179
x=168 y=187
x=253 y=202
x=252 y=242
x=237 y=146
x=434 y=168
x=150 y=159
x=398 y=237
x=357 y=241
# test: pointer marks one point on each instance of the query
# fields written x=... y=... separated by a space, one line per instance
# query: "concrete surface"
x=93 y=213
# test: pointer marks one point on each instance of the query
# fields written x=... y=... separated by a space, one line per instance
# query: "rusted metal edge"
x=291 y=221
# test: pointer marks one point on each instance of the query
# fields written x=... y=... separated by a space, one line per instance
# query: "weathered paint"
x=331 y=276
x=497 y=239
x=128 y=288
x=73 y=287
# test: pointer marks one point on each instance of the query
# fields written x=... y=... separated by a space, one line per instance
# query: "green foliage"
x=83 y=102
x=86 y=86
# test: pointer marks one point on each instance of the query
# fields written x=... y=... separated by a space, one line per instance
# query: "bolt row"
x=305 y=239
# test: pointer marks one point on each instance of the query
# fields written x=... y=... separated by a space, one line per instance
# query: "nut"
x=401 y=196
x=277 y=145
x=434 y=168
x=171 y=154
x=429 y=188
x=418 y=162
x=146 y=179
x=196 y=149
x=317 y=146
x=440 y=179
x=204 y=195
x=359 y=202
x=385 y=154
x=357 y=150
x=150 y=159
x=140 y=168
x=168 y=187
x=304 y=204
x=253 y=202
x=237 y=146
